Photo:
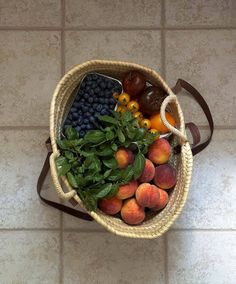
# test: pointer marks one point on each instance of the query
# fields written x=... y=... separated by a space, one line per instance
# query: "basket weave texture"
x=155 y=224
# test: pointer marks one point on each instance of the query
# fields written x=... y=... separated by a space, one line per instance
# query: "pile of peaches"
x=149 y=192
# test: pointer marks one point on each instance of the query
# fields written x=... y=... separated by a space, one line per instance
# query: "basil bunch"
x=89 y=163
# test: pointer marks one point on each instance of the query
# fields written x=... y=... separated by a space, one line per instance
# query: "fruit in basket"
x=145 y=123
x=124 y=98
x=110 y=206
x=138 y=115
x=127 y=190
x=151 y=99
x=148 y=172
x=163 y=200
x=154 y=131
x=147 y=195
x=132 y=213
x=159 y=151
x=121 y=109
x=124 y=157
x=133 y=106
x=134 y=83
x=157 y=123
x=165 y=176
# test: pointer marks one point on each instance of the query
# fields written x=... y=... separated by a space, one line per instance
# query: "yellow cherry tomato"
x=154 y=131
x=138 y=115
x=133 y=106
x=124 y=98
x=121 y=109
x=145 y=123
x=115 y=95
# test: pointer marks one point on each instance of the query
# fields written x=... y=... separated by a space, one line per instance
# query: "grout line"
x=61 y=266
x=30 y=229
x=115 y=28
x=70 y=230
x=166 y=258
x=62 y=37
x=202 y=230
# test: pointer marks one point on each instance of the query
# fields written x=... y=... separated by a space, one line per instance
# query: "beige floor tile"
x=30 y=64
x=202 y=257
x=200 y=13
x=30 y=13
x=105 y=13
x=212 y=195
x=136 y=46
x=71 y=222
x=207 y=59
x=105 y=258
x=22 y=155
x=29 y=257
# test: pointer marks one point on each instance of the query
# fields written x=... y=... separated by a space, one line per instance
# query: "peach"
x=132 y=213
x=147 y=195
x=127 y=190
x=159 y=151
x=165 y=176
x=148 y=172
x=110 y=206
x=124 y=157
x=163 y=200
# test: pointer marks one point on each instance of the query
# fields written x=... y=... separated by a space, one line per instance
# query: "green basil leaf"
x=89 y=200
x=113 y=191
x=73 y=143
x=116 y=115
x=62 y=166
x=127 y=117
x=115 y=175
x=80 y=180
x=110 y=163
x=138 y=165
x=127 y=174
x=105 y=152
x=107 y=173
x=69 y=155
x=102 y=191
x=130 y=132
x=107 y=118
x=72 y=180
x=140 y=133
x=94 y=136
x=62 y=145
x=71 y=133
x=121 y=136
x=110 y=135
x=114 y=147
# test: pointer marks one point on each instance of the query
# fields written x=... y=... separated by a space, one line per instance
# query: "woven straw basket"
x=155 y=224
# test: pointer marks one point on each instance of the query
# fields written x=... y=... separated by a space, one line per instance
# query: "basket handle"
x=197 y=148
x=41 y=179
x=178 y=132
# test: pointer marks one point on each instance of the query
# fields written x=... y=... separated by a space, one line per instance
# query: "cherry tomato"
x=121 y=109
x=145 y=123
x=124 y=98
x=115 y=95
x=133 y=106
x=138 y=115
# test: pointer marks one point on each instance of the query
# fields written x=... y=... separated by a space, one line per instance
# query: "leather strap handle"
x=204 y=106
x=61 y=207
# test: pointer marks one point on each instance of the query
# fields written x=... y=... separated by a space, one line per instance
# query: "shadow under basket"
x=156 y=223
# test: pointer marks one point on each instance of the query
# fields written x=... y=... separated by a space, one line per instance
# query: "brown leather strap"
x=41 y=179
x=194 y=132
x=192 y=127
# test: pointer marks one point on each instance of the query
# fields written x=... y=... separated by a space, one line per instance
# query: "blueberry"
x=76 y=104
x=95 y=105
x=89 y=83
x=89 y=126
x=107 y=93
x=109 y=85
x=70 y=116
x=83 y=84
x=75 y=115
x=82 y=100
x=96 y=100
x=85 y=108
x=94 y=85
x=97 y=90
x=89 y=77
x=90 y=100
x=91 y=92
x=101 y=100
x=91 y=110
x=81 y=133
x=73 y=109
x=86 y=121
x=83 y=126
x=80 y=112
x=94 y=76
x=96 y=114
x=111 y=107
x=78 y=128
x=103 y=111
x=117 y=89
x=106 y=100
x=99 y=107
x=102 y=85
x=74 y=123
x=87 y=88
x=87 y=114
x=86 y=96
x=92 y=119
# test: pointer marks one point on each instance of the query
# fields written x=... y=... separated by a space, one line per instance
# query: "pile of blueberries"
x=93 y=98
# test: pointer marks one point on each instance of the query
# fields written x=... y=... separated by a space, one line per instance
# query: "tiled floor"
x=39 y=41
